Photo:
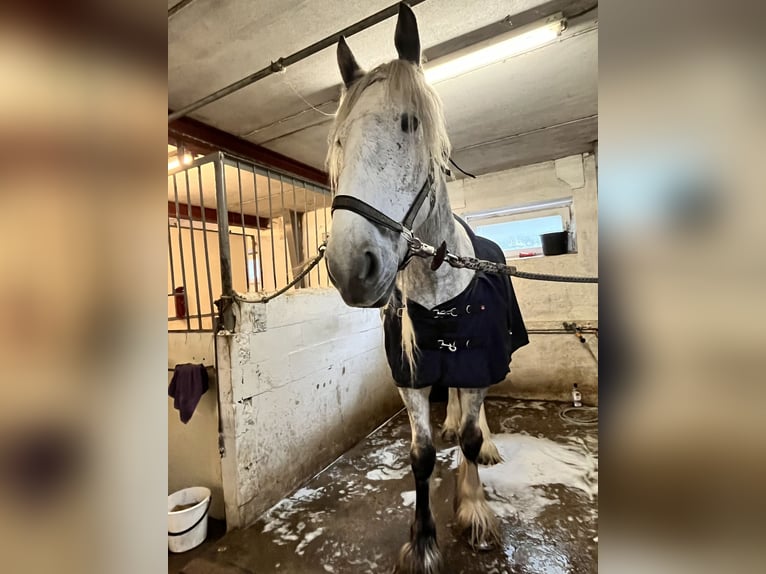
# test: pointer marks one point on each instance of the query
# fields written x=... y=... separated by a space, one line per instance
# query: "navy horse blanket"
x=465 y=342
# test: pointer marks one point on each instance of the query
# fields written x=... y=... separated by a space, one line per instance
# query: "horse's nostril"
x=370 y=268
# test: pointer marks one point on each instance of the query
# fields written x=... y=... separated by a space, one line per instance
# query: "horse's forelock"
x=406 y=85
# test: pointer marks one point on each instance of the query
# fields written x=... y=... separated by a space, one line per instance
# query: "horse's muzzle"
x=362 y=281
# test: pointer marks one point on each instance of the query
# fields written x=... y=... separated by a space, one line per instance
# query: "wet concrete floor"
x=353 y=517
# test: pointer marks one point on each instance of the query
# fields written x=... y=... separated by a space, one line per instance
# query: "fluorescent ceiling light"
x=495 y=49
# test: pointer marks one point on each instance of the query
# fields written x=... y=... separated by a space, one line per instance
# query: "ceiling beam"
x=587 y=119
x=202 y=138
x=533 y=146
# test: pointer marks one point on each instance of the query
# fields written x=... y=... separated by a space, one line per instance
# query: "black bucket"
x=555 y=243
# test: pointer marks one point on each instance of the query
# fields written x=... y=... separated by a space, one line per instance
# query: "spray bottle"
x=576 y=396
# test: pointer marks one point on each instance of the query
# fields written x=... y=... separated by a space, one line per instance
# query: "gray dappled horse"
x=452 y=327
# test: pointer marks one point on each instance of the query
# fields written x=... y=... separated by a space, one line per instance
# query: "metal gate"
x=234 y=225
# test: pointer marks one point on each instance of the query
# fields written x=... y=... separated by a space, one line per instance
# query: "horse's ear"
x=407 y=39
x=349 y=69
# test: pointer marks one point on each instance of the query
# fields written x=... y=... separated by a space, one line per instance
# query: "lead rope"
x=502 y=268
x=440 y=255
x=305 y=271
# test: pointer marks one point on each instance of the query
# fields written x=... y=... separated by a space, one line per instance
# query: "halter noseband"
x=350 y=203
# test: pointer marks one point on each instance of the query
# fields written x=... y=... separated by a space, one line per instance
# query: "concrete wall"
x=303 y=379
x=550 y=364
x=193 y=458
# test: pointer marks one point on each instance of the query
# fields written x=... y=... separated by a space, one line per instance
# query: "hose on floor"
x=589 y=415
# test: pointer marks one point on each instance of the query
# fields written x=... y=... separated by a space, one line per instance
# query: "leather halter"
x=350 y=203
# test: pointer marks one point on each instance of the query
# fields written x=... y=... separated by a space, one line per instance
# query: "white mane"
x=407 y=86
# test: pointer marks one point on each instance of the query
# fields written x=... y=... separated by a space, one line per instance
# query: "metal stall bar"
x=223 y=244
x=172 y=265
x=259 y=247
x=294 y=58
x=304 y=227
x=304 y=231
x=204 y=240
x=316 y=235
x=181 y=249
x=242 y=220
x=285 y=219
x=292 y=228
x=297 y=234
x=300 y=258
x=324 y=214
x=190 y=215
x=271 y=228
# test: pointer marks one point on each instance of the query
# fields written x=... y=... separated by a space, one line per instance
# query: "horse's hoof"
x=420 y=557
x=478 y=525
x=449 y=434
x=489 y=455
x=481 y=543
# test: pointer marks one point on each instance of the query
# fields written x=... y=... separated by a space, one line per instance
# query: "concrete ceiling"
x=533 y=107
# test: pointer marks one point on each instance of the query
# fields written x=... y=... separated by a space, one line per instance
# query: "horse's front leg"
x=421 y=554
x=473 y=515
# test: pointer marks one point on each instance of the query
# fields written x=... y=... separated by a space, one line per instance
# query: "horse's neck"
x=430 y=288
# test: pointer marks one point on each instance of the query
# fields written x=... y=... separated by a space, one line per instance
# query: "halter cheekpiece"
x=377 y=217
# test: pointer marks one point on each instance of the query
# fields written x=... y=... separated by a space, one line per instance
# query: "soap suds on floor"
x=392 y=462
x=514 y=487
x=307 y=539
x=534 y=485
x=448 y=455
x=307 y=494
x=535 y=405
x=278 y=518
x=387 y=473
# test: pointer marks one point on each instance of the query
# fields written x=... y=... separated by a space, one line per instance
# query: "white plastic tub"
x=187 y=528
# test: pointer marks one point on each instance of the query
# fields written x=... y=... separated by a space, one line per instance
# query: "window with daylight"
x=517 y=229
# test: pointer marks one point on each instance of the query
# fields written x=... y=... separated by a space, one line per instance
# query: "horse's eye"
x=409 y=123
x=337 y=143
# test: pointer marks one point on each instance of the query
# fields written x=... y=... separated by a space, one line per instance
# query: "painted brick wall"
x=306 y=378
